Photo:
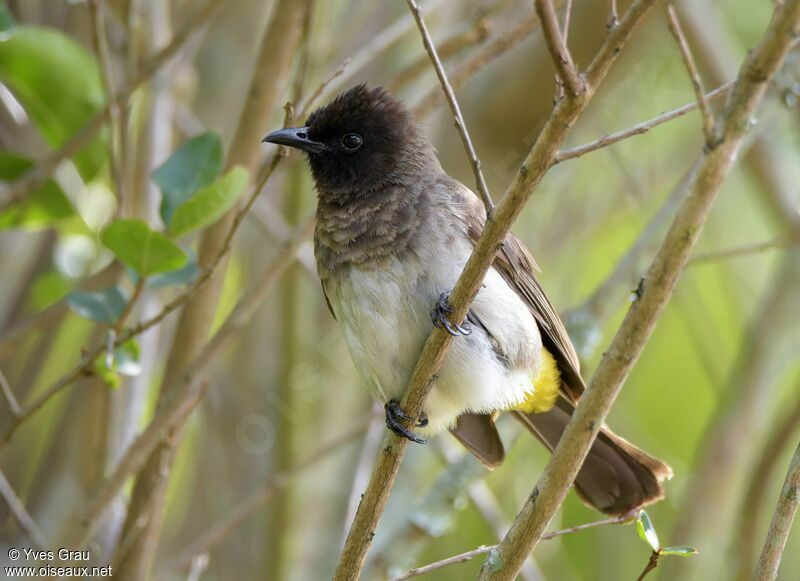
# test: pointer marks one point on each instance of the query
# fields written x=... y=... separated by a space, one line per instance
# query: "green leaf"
x=144 y=250
x=192 y=166
x=42 y=207
x=680 y=551
x=106 y=374
x=58 y=83
x=104 y=306
x=127 y=359
x=646 y=530
x=123 y=361
x=178 y=277
x=210 y=203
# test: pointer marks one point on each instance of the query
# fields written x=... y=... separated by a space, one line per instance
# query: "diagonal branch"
x=21 y=515
x=483 y=549
x=640 y=128
x=538 y=161
x=781 y=524
x=686 y=53
x=8 y=397
x=657 y=287
x=557 y=46
x=461 y=126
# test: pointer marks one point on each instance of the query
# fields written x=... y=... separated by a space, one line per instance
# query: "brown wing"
x=516 y=266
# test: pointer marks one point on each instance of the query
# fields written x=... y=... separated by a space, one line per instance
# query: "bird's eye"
x=352 y=141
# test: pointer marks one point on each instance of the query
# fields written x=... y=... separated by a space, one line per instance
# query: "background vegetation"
x=121 y=224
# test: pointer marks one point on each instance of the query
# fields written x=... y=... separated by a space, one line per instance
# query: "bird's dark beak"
x=295 y=137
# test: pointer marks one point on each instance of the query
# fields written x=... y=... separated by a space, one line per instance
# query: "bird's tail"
x=616 y=476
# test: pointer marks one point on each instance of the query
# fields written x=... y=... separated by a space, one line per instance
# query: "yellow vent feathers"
x=545 y=387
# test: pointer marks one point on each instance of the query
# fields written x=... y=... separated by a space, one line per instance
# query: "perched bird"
x=393 y=234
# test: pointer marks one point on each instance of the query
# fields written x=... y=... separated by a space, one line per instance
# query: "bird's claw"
x=440 y=317
x=394 y=421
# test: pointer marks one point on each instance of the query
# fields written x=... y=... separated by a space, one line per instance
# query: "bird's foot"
x=394 y=421
x=440 y=316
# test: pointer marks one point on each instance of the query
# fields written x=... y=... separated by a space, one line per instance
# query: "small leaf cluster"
x=647 y=532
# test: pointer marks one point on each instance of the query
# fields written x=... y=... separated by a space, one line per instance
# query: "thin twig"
x=483 y=549
x=761 y=63
x=312 y=98
x=455 y=559
x=379 y=43
x=652 y=563
x=641 y=128
x=686 y=53
x=8 y=396
x=36 y=176
x=530 y=173
x=613 y=15
x=557 y=46
x=126 y=312
x=461 y=126
x=744 y=250
x=566 y=16
x=96 y=8
x=751 y=504
x=26 y=523
x=781 y=524
x=493 y=50
x=475 y=34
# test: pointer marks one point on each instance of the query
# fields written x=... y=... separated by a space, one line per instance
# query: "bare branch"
x=20 y=514
x=566 y=16
x=312 y=98
x=642 y=127
x=744 y=250
x=656 y=289
x=461 y=126
x=483 y=549
x=781 y=524
x=538 y=161
x=751 y=504
x=379 y=43
x=493 y=50
x=691 y=68
x=556 y=44
x=475 y=34
x=8 y=396
x=96 y=8
x=613 y=15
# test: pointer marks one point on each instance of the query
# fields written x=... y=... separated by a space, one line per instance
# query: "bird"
x=393 y=233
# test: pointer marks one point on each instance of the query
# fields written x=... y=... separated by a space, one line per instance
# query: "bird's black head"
x=360 y=142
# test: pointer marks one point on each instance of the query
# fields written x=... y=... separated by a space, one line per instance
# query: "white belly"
x=385 y=317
